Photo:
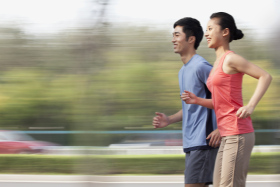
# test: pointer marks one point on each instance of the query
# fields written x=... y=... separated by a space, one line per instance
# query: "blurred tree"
x=104 y=77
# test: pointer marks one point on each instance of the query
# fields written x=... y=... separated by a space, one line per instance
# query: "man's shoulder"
x=200 y=62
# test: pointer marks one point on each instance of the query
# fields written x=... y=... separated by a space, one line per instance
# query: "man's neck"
x=186 y=57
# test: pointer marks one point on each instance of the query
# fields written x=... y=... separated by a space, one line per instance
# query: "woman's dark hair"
x=191 y=27
x=227 y=21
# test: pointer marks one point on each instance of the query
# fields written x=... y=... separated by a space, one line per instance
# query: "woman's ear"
x=226 y=32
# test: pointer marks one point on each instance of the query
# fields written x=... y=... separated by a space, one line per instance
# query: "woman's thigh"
x=234 y=159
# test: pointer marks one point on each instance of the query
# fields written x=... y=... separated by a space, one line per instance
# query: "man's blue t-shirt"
x=198 y=122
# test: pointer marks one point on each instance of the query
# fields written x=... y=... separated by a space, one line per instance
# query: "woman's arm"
x=191 y=98
x=242 y=65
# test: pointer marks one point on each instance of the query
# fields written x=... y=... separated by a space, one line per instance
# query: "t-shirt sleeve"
x=203 y=72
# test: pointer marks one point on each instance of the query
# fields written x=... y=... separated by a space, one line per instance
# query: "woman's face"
x=214 y=33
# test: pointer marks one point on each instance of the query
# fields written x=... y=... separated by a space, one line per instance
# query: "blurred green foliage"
x=260 y=163
x=107 y=78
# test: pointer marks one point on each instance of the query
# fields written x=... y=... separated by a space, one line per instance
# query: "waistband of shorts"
x=203 y=147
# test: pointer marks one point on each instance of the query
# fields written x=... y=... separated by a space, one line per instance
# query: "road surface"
x=117 y=181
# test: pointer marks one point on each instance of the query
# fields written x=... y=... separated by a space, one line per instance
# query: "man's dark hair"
x=191 y=27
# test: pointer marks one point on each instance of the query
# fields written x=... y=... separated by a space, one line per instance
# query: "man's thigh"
x=199 y=166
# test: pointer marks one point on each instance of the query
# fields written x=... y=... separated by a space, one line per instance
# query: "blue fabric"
x=198 y=122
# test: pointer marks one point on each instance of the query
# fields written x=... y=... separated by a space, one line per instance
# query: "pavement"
x=111 y=179
x=137 y=149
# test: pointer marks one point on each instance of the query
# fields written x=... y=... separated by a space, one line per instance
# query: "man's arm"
x=161 y=120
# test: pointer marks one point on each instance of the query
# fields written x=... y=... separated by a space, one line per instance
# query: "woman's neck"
x=221 y=50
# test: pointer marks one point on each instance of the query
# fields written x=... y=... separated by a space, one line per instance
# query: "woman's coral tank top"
x=226 y=92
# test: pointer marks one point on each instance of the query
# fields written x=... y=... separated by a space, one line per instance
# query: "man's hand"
x=215 y=138
x=160 y=120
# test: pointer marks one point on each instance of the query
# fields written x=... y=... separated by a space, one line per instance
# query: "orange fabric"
x=226 y=92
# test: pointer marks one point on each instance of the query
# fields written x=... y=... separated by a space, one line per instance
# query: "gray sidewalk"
x=138 y=150
x=94 y=178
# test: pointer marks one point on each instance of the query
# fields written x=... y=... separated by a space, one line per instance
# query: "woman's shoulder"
x=233 y=59
x=233 y=56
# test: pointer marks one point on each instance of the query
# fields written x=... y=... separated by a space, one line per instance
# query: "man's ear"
x=226 y=32
x=191 y=39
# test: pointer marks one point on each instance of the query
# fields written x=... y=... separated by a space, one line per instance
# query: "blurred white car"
x=146 y=140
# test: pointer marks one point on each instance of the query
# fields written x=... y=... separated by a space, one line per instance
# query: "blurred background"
x=93 y=72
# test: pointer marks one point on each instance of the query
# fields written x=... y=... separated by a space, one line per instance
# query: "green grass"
x=260 y=163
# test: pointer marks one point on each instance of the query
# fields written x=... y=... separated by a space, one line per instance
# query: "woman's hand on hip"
x=244 y=112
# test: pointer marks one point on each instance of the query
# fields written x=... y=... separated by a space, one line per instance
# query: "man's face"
x=179 y=41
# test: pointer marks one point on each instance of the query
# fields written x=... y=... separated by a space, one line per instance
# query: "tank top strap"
x=223 y=57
